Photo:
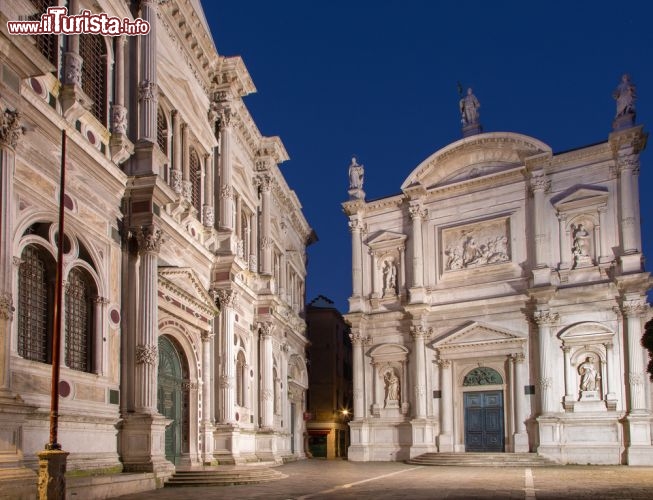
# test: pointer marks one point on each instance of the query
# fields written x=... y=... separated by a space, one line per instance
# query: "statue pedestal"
x=472 y=129
x=589 y=396
x=356 y=194
x=624 y=121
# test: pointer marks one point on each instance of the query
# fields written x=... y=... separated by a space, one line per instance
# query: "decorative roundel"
x=68 y=202
x=114 y=316
x=237 y=416
x=36 y=85
x=64 y=389
x=91 y=137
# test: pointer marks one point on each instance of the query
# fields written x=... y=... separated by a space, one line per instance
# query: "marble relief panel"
x=475 y=245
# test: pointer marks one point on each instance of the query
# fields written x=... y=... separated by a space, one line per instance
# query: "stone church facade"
x=184 y=266
x=498 y=303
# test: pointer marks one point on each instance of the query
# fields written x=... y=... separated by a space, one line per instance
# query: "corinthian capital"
x=149 y=239
x=265 y=329
x=417 y=212
x=226 y=297
x=10 y=128
x=540 y=182
x=263 y=182
x=545 y=318
x=632 y=308
x=355 y=225
x=628 y=162
x=420 y=332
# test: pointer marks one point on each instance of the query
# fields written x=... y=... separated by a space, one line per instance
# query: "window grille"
x=79 y=324
x=35 y=301
x=48 y=45
x=93 y=51
x=162 y=132
x=196 y=182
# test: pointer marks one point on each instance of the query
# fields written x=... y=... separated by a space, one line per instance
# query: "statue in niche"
x=625 y=96
x=389 y=277
x=589 y=377
x=356 y=174
x=581 y=245
x=391 y=387
x=469 y=108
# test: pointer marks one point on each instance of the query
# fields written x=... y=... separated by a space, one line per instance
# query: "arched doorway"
x=172 y=398
x=484 y=429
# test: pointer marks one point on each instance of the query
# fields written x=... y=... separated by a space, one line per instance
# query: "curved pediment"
x=475 y=156
x=587 y=332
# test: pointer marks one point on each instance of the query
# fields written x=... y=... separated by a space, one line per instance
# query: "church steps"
x=226 y=477
x=477 y=459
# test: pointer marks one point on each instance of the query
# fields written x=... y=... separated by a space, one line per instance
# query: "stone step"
x=477 y=459
x=223 y=477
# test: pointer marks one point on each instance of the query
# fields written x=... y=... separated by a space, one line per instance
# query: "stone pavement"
x=321 y=479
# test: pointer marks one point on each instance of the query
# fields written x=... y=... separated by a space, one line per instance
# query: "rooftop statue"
x=469 y=108
x=625 y=96
x=356 y=173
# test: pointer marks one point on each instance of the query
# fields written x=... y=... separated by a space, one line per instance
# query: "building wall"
x=503 y=267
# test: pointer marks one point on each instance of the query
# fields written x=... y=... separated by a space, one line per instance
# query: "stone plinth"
x=52 y=475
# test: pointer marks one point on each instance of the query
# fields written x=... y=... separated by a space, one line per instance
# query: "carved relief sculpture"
x=475 y=246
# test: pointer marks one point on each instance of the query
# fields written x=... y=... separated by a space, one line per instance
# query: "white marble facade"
x=520 y=296
x=189 y=243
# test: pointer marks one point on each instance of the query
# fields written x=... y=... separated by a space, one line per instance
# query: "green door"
x=484 y=421
x=170 y=396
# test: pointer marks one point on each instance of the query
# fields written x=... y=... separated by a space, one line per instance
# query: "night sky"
x=379 y=80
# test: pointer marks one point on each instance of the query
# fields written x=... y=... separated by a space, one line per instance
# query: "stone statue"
x=469 y=109
x=581 y=245
x=588 y=375
x=625 y=96
x=391 y=386
x=389 y=277
x=356 y=173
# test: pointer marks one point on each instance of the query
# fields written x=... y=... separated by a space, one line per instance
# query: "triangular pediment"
x=184 y=283
x=476 y=333
x=385 y=238
x=581 y=196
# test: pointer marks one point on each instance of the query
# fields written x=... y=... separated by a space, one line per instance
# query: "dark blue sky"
x=378 y=79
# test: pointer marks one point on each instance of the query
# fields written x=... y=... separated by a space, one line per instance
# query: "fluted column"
x=420 y=334
x=569 y=386
x=10 y=132
x=545 y=319
x=609 y=360
x=225 y=123
x=417 y=214
x=355 y=226
x=177 y=156
x=147 y=86
x=267 y=380
x=520 y=437
x=227 y=300
x=634 y=309
x=206 y=424
x=186 y=184
x=265 y=185
x=540 y=184
x=563 y=242
x=208 y=215
x=604 y=254
x=628 y=167
x=445 y=440
x=357 y=341
x=147 y=358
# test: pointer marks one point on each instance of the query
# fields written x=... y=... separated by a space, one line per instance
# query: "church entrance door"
x=170 y=396
x=484 y=421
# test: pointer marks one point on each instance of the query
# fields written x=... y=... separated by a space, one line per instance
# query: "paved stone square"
x=321 y=479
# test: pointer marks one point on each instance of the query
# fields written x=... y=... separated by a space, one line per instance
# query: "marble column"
x=357 y=341
x=118 y=109
x=206 y=423
x=355 y=226
x=147 y=356
x=611 y=396
x=11 y=131
x=225 y=123
x=186 y=184
x=177 y=154
x=148 y=93
x=520 y=437
x=265 y=185
x=540 y=184
x=628 y=167
x=99 y=320
x=604 y=255
x=634 y=309
x=545 y=319
x=417 y=214
x=569 y=383
x=420 y=334
x=563 y=238
x=227 y=299
x=445 y=439
x=267 y=378
x=72 y=73
x=208 y=215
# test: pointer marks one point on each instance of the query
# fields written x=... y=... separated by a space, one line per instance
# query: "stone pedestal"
x=423 y=438
x=520 y=442
x=631 y=263
x=639 y=450
x=359 y=449
x=227 y=445
x=143 y=444
x=445 y=443
x=52 y=475
x=472 y=129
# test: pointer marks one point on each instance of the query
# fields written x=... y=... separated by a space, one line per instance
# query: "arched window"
x=48 y=45
x=80 y=292
x=196 y=181
x=240 y=379
x=93 y=52
x=36 y=276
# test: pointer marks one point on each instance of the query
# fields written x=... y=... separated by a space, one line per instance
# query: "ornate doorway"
x=172 y=399
x=484 y=421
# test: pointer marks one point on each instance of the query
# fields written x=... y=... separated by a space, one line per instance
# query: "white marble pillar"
x=10 y=133
x=285 y=403
x=265 y=184
x=445 y=440
x=609 y=368
x=225 y=124
x=563 y=241
x=208 y=213
x=206 y=422
x=99 y=320
x=604 y=254
x=177 y=154
x=355 y=226
x=148 y=93
x=417 y=214
x=253 y=248
x=420 y=334
x=186 y=183
x=628 y=166
x=545 y=319
x=118 y=109
x=633 y=310
x=227 y=300
x=540 y=184
x=520 y=437
x=569 y=383
x=267 y=377
x=72 y=74
x=147 y=356
x=357 y=341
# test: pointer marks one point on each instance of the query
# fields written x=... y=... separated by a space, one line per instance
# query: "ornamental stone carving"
x=207 y=336
x=417 y=212
x=149 y=239
x=147 y=354
x=540 y=182
x=175 y=181
x=6 y=306
x=226 y=382
x=10 y=128
x=358 y=339
x=226 y=192
x=628 y=162
x=266 y=394
x=476 y=245
x=267 y=242
x=73 y=69
x=118 y=119
x=208 y=215
x=636 y=378
x=226 y=297
x=634 y=307
x=189 y=385
x=263 y=182
x=266 y=329
x=224 y=118
x=545 y=383
x=187 y=190
x=545 y=318
x=420 y=332
x=444 y=363
x=147 y=91
x=355 y=225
